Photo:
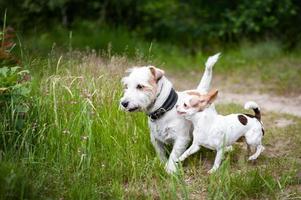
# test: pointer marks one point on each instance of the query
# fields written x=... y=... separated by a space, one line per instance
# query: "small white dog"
x=146 y=89
x=218 y=132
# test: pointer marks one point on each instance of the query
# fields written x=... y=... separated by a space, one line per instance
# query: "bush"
x=14 y=84
x=188 y=23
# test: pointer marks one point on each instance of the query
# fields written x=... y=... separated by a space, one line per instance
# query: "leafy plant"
x=13 y=84
x=14 y=81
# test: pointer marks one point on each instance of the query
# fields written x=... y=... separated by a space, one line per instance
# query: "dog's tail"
x=254 y=106
x=204 y=84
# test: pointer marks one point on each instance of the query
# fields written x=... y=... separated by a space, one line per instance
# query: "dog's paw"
x=181 y=159
x=252 y=158
x=212 y=170
x=171 y=168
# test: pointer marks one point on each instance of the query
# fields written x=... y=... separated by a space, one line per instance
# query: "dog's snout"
x=125 y=103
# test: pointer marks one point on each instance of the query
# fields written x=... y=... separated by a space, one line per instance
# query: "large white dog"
x=146 y=89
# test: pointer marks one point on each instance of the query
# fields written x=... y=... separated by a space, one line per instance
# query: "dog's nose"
x=125 y=104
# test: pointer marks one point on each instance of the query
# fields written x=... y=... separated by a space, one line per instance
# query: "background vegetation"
x=62 y=135
x=191 y=24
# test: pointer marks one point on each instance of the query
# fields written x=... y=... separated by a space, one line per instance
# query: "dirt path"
x=290 y=104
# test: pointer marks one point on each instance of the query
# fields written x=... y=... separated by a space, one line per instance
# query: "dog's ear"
x=212 y=95
x=156 y=72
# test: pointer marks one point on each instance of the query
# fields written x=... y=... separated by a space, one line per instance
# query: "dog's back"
x=234 y=126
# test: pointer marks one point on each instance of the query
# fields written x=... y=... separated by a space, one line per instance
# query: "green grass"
x=76 y=144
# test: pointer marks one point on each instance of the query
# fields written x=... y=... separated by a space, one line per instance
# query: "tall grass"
x=75 y=143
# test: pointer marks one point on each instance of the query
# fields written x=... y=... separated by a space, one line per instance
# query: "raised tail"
x=204 y=84
x=254 y=106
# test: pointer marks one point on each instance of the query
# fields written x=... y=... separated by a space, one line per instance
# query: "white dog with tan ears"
x=146 y=89
x=218 y=132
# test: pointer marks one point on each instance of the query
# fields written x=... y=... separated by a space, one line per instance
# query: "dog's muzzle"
x=125 y=106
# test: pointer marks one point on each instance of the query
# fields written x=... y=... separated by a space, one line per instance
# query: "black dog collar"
x=167 y=105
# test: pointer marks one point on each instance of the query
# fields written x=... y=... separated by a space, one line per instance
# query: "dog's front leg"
x=191 y=150
x=217 y=161
x=178 y=149
x=159 y=148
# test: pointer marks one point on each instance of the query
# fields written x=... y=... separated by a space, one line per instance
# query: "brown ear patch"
x=212 y=95
x=156 y=72
x=243 y=120
x=153 y=71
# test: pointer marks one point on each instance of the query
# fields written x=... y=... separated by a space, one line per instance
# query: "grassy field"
x=75 y=143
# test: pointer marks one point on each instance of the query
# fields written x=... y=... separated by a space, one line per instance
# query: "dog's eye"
x=125 y=86
x=185 y=105
x=139 y=87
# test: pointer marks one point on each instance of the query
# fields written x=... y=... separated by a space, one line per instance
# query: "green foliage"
x=12 y=86
x=256 y=16
x=14 y=100
x=190 y=24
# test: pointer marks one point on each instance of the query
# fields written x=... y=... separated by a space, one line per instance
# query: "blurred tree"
x=189 y=23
